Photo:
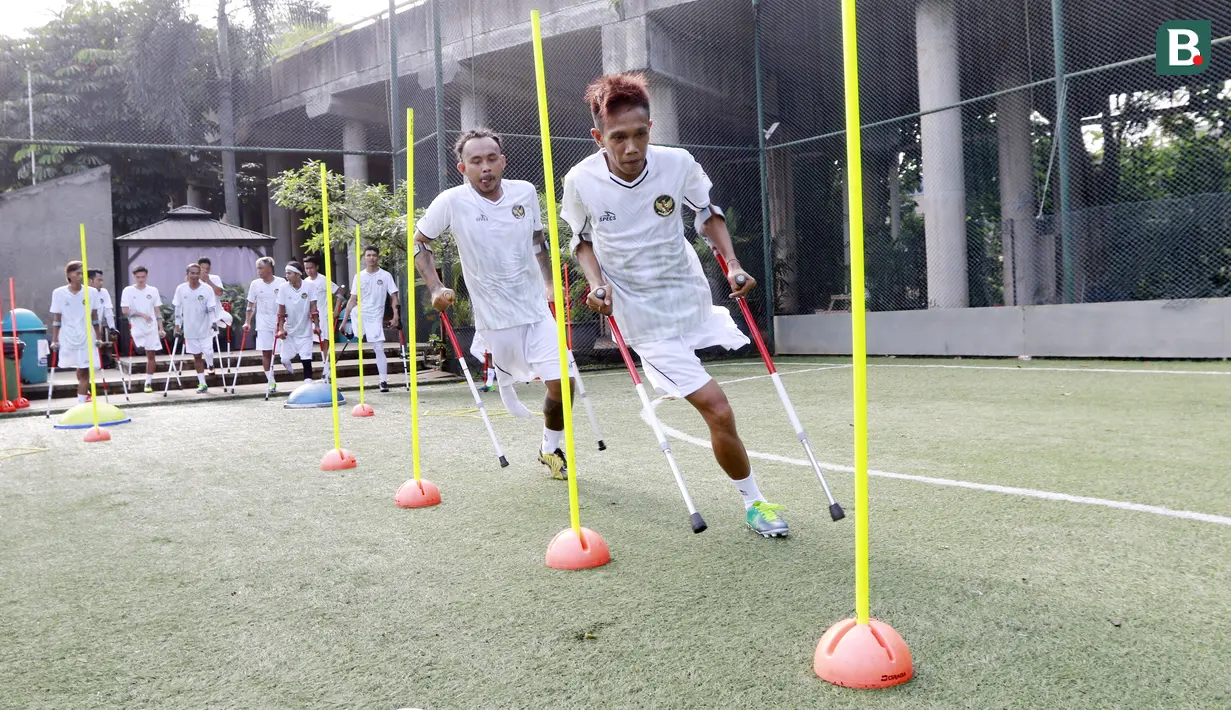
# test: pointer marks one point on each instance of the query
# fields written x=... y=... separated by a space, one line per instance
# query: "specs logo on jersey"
x=608 y=216
x=664 y=205
x=482 y=218
x=519 y=211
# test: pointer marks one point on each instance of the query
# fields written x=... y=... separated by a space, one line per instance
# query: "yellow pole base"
x=855 y=655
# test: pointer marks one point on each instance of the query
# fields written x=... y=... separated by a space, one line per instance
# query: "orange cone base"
x=363 y=410
x=568 y=551
x=337 y=460
x=417 y=494
x=97 y=434
x=7 y=407
x=21 y=403
x=862 y=656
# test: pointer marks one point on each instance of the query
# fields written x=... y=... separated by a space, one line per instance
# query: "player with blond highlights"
x=624 y=205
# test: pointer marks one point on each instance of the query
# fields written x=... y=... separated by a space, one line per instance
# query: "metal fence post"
x=767 y=238
x=1061 y=134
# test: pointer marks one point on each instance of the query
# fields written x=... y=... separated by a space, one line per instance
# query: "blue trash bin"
x=30 y=329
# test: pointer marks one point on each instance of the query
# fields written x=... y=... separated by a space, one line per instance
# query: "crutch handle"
x=740 y=280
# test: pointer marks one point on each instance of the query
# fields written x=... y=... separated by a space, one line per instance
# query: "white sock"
x=209 y=361
x=269 y=375
x=513 y=404
x=747 y=488
x=551 y=440
x=200 y=378
x=149 y=379
x=81 y=398
x=491 y=376
x=382 y=362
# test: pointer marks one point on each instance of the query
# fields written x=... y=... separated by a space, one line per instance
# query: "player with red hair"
x=624 y=207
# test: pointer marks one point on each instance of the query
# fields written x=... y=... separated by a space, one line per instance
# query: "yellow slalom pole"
x=410 y=289
x=859 y=330
x=553 y=229
x=333 y=356
x=358 y=316
x=89 y=325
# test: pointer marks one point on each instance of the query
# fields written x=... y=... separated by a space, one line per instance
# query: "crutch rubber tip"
x=504 y=463
x=601 y=445
x=835 y=512
x=698 y=523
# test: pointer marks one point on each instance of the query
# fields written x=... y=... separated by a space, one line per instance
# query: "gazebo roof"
x=191 y=224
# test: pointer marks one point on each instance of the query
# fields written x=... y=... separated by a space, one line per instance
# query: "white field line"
x=991 y=488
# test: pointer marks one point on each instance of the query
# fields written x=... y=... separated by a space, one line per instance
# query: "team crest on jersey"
x=200 y=297
x=149 y=296
x=380 y=282
x=664 y=205
x=304 y=294
x=519 y=211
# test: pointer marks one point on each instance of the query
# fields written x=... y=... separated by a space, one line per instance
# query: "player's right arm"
x=588 y=262
x=281 y=332
x=55 y=323
x=250 y=311
x=425 y=264
x=574 y=212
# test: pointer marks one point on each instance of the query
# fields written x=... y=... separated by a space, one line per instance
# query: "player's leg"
x=151 y=344
x=209 y=358
x=540 y=358
x=197 y=348
x=265 y=343
x=674 y=368
x=374 y=332
x=489 y=372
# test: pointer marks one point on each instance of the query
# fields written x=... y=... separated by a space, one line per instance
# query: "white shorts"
x=522 y=353
x=265 y=340
x=373 y=330
x=150 y=342
x=672 y=365
x=301 y=346
x=75 y=358
x=199 y=346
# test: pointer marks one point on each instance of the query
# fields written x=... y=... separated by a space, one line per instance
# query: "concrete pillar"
x=944 y=186
x=663 y=112
x=355 y=170
x=473 y=110
x=281 y=226
x=195 y=196
x=781 y=171
x=1019 y=247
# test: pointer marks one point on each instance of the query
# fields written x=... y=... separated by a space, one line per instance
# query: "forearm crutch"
x=478 y=401
x=243 y=343
x=402 y=347
x=51 y=378
x=835 y=510
x=119 y=365
x=698 y=523
x=581 y=389
x=172 y=369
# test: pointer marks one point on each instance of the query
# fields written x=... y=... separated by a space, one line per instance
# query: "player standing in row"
x=623 y=204
x=499 y=233
x=141 y=305
x=68 y=327
x=263 y=305
x=196 y=311
x=378 y=287
x=297 y=319
x=214 y=281
x=314 y=268
x=95 y=279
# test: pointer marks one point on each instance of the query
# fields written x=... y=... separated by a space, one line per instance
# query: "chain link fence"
x=969 y=198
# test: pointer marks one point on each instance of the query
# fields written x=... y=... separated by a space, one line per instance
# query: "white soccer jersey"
x=71 y=309
x=265 y=296
x=144 y=301
x=298 y=303
x=496 y=243
x=659 y=289
x=195 y=310
x=322 y=304
x=108 y=307
x=376 y=290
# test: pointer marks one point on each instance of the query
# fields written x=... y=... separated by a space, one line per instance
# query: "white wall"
x=1194 y=328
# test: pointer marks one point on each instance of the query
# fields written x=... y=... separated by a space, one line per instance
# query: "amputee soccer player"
x=263 y=304
x=624 y=204
x=214 y=281
x=142 y=305
x=68 y=327
x=297 y=319
x=314 y=276
x=378 y=287
x=196 y=311
x=499 y=233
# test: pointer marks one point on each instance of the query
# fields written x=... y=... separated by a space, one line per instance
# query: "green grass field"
x=201 y=559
